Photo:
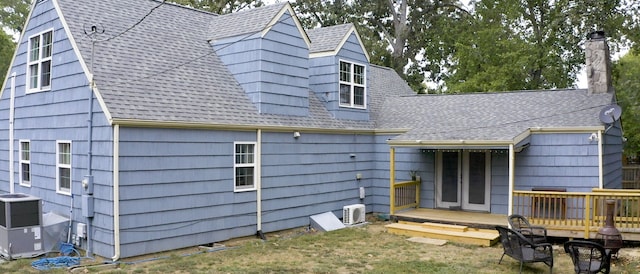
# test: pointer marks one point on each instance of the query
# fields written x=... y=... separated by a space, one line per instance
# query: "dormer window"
x=352 y=85
x=39 y=71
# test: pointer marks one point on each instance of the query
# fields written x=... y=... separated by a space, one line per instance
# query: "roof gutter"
x=490 y=143
x=275 y=128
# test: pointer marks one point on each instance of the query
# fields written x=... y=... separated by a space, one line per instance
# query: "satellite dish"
x=610 y=114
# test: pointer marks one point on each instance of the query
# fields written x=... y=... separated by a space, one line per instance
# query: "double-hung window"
x=63 y=167
x=352 y=85
x=244 y=166
x=25 y=163
x=39 y=67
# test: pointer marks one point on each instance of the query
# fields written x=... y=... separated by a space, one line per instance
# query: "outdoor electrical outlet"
x=358 y=176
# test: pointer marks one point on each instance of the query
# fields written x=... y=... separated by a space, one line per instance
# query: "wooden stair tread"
x=439 y=226
x=483 y=234
x=481 y=237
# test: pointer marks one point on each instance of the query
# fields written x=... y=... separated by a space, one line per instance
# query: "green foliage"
x=13 y=13
x=626 y=77
x=533 y=44
x=220 y=7
x=6 y=53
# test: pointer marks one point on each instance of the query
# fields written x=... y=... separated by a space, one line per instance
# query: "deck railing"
x=406 y=195
x=584 y=211
x=631 y=177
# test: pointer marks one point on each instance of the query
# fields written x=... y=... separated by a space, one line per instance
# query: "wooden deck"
x=464 y=218
x=482 y=220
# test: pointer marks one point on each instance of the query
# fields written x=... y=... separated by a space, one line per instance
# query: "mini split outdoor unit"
x=20 y=226
x=353 y=214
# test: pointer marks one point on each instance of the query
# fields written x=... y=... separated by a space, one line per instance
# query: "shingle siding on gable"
x=324 y=79
x=611 y=158
x=58 y=114
x=273 y=70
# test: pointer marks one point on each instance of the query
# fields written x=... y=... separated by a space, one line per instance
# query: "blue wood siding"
x=324 y=79
x=567 y=161
x=612 y=156
x=499 y=181
x=59 y=114
x=176 y=186
x=273 y=70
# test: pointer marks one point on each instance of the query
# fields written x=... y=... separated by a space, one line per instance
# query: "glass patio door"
x=476 y=181
x=463 y=180
x=448 y=179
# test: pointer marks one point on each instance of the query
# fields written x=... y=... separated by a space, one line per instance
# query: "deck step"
x=472 y=236
x=448 y=227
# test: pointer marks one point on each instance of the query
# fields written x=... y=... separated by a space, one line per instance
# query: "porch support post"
x=392 y=176
x=512 y=159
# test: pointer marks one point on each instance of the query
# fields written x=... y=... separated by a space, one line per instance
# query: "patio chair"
x=520 y=248
x=588 y=257
x=536 y=234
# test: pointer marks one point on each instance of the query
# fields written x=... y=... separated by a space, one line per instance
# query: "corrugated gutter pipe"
x=116 y=193
x=12 y=106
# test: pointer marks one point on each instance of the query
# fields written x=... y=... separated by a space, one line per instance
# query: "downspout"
x=600 y=162
x=512 y=161
x=259 y=184
x=12 y=107
x=116 y=193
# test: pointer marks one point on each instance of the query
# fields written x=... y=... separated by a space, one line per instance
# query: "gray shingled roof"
x=164 y=70
x=327 y=38
x=490 y=116
x=243 y=22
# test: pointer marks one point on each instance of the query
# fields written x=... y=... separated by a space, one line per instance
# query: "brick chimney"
x=598 y=61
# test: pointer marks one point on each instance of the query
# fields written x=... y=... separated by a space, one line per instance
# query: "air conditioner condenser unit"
x=353 y=214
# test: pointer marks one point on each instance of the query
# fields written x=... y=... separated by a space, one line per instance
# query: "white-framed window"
x=39 y=63
x=63 y=167
x=352 y=85
x=244 y=166
x=25 y=162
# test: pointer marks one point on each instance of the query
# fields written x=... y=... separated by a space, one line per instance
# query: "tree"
x=13 y=14
x=220 y=7
x=7 y=46
x=404 y=35
x=534 y=44
x=626 y=75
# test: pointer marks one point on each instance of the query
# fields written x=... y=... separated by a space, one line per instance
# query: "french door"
x=463 y=180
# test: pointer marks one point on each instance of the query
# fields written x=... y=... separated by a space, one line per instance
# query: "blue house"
x=163 y=127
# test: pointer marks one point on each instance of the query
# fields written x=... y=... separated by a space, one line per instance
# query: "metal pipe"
x=11 y=120
x=89 y=158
